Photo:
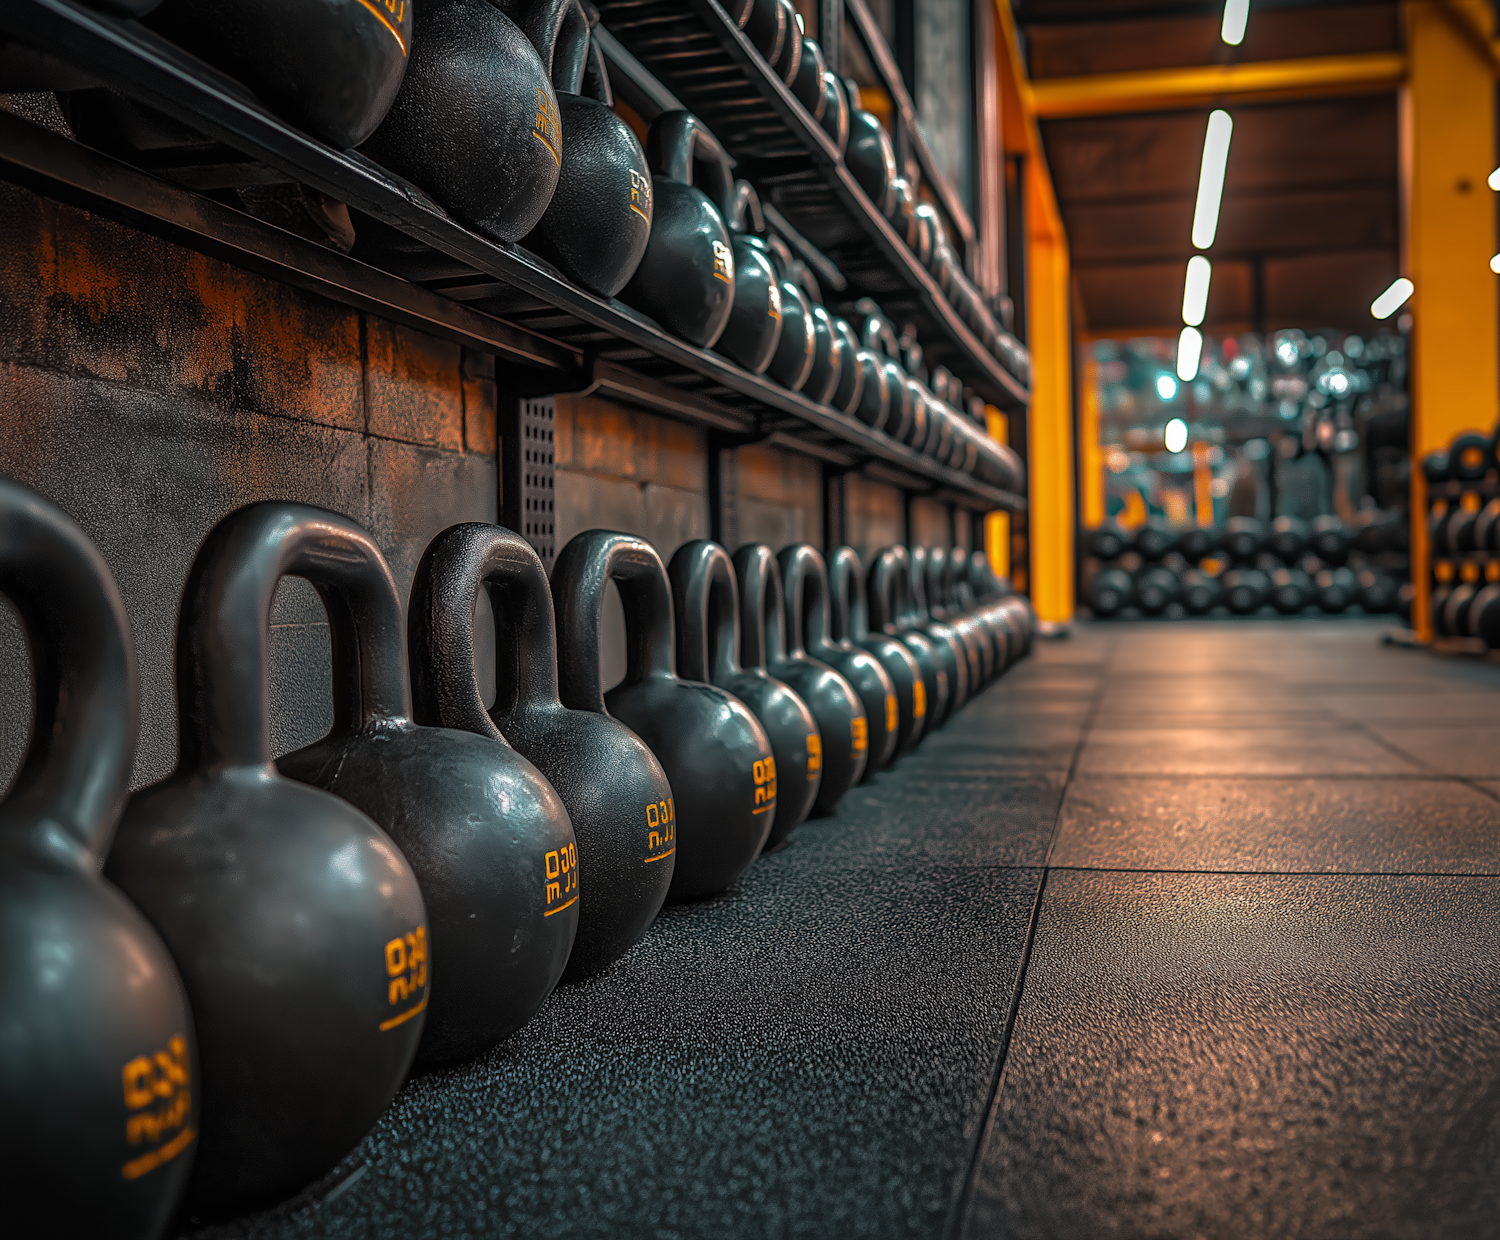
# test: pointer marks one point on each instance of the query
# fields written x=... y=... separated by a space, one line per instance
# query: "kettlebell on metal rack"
x=931 y=600
x=764 y=23
x=715 y=754
x=485 y=833
x=957 y=599
x=754 y=328
x=332 y=68
x=597 y=224
x=874 y=404
x=612 y=786
x=797 y=348
x=706 y=599
x=830 y=356
x=849 y=627
x=869 y=155
x=98 y=1072
x=961 y=672
x=850 y=389
x=789 y=60
x=842 y=726
x=298 y=927
x=883 y=592
x=476 y=121
x=807 y=86
x=835 y=118
x=803 y=572
x=685 y=280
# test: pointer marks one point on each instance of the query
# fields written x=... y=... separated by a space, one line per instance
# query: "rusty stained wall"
x=149 y=391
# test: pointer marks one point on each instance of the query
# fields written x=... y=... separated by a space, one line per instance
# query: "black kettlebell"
x=835 y=118
x=803 y=572
x=883 y=591
x=807 y=86
x=754 y=328
x=98 y=1070
x=685 y=280
x=850 y=389
x=298 y=926
x=842 y=725
x=943 y=568
x=797 y=347
x=1288 y=539
x=764 y=23
x=988 y=616
x=874 y=405
x=616 y=794
x=476 y=123
x=1201 y=592
x=869 y=155
x=830 y=356
x=486 y=835
x=716 y=755
x=1243 y=538
x=332 y=68
x=964 y=675
x=1245 y=589
x=1110 y=592
x=849 y=623
x=1291 y=590
x=706 y=600
x=1330 y=539
x=597 y=224
x=788 y=59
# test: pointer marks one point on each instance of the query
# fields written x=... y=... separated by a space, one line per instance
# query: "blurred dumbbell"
x=1470 y=457
x=1154 y=541
x=1243 y=538
x=1201 y=592
x=1198 y=544
x=1329 y=539
x=1245 y=589
x=1110 y=592
x=1155 y=589
x=1109 y=541
x=1435 y=468
x=1288 y=539
x=1291 y=590
x=1336 y=589
x=1377 y=592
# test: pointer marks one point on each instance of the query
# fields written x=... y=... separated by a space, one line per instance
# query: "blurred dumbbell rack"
x=450 y=282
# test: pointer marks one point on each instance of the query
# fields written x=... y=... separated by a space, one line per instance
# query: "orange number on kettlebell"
x=661 y=830
x=562 y=877
x=814 y=755
x=406 y=966
x=764 y=772
x=148 y=1080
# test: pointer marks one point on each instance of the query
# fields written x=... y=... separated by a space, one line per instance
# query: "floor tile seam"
x=1391 y=748
x=1112 y=869
x=954 y=1225
x=1477 y=782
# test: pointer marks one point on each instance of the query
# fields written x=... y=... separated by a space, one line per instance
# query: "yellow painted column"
x=997 y=523
x=1090 y=453
x=1050 y=424
x=1448 y=152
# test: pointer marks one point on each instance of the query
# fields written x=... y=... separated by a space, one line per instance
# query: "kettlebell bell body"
x=717 y=757
x=829 y=355
x=835 y=118
x=98 y=1068
x=486 y=835
x=807 y=86
x=754 y=328
x=843 y=728
x=803 y=572
x=598 y=221
x=613 y=788
x=764 y=23
x=796 y=350
x=789 y=59
x=298 y=927
x=686 y=278
x=706 y=601
x=884 y=592
x=476 y=122
x=875 y=393
x=932 y=601
x=869 y=155
x=333 y=67
x=848 y=622
x=851 y=384
x=957 y=657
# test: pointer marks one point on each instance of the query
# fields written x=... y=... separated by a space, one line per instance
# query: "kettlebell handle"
x=77 y=767
x=804 y=577
x=223 y=641
x=706 y=600
x=596 y=72
x=746 y=206
x=883 y=591
x=916 y=585
x=677 y=143
x=935 y=581
x=559 y=30
x=763 y=636
x=583 y=569
x=846 y=581
x=457 y=564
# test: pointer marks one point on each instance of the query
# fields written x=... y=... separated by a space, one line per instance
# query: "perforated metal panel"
x=528 y=498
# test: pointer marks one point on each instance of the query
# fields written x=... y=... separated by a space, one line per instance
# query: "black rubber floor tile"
x=1227 y=1056
x=1472 y=751
x=808 y=1056
x=918 y=814
x=1469 y=708
x=1363 y=825
x=1297 y=749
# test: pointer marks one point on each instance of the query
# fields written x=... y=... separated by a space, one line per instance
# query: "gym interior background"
x=1184 y=927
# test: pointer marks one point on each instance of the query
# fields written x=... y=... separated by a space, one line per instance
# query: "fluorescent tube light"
x=1211 y=178
x=1195 y=290
x=1236 y=14
x=1392 y=299
x=1189 y=351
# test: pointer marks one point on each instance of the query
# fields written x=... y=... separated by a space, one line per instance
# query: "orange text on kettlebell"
x=765 y=785
x=892 y=715
x=548 y=124
x=661 y=830
x=406 y=966
x=859 y=730
x=562 y=879
x=157 y=1091
x=723 y=263
x=814 y=755
x=918 y=699
x=640 y=195
x=391 y=14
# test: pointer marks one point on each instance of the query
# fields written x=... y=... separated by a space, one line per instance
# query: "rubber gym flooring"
x=1180 y=930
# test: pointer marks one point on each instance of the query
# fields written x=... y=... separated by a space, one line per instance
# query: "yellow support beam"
x=1156 y=90
x=1447 y=153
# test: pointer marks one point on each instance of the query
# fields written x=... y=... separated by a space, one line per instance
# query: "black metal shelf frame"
x=495 y=297
x=705 y=60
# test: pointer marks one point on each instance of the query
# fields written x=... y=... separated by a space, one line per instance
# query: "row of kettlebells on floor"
x=279 y=940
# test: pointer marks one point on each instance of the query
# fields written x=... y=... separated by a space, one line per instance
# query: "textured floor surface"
x=1178 y=931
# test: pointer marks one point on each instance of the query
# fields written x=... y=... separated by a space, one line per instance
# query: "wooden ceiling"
x=1309 y=229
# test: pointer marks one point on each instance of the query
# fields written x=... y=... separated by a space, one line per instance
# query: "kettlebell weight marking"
x=397 y=14
x=814 y=756
x=919 y=699
x=562 y=877
x=148 y=1079
x=661 y=821
x=764 y=771
x=723 y=262
x=892 y=714
x=640 y=195
x=548 y=124
x=859 y=730
x=406 y=965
